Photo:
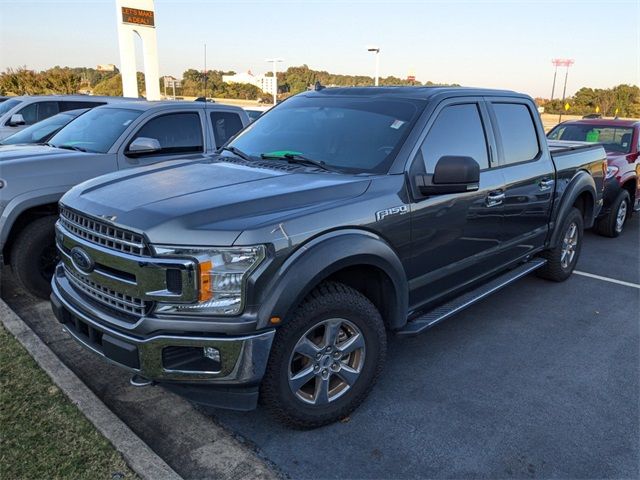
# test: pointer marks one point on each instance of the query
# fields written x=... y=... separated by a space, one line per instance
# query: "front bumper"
x=240 y=362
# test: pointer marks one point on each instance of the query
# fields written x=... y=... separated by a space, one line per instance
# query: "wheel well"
x=630 y=186
x=23 y=220
x=374 y=284
x=584 y=203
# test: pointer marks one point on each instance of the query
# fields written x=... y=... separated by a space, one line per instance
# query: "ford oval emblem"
x=81 y=260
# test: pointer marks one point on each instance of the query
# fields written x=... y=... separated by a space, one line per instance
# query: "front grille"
x=102 y=233
x=106 y=296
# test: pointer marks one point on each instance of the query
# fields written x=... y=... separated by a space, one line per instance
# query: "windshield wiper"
x=298 y=158
x=73 y=147
x=237 y=152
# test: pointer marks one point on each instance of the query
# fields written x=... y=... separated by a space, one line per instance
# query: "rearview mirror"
x=16 y=120
x=143 y=146
x=452 y=174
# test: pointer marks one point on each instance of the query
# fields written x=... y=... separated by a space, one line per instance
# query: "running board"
x=458 y=304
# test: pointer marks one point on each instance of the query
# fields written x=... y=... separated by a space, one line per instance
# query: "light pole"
x=561 y=62
x=274 y=61
x=377 y=52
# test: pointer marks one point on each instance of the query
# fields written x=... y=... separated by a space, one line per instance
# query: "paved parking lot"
x=540 y=380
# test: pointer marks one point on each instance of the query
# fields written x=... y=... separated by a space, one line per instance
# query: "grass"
x=42 y=434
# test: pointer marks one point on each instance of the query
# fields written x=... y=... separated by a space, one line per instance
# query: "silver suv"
x=17 y=113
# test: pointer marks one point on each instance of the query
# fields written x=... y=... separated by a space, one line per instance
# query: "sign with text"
x=136 y=16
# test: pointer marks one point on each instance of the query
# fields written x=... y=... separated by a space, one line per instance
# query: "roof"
x=76 y=97
x=424 y=93
x=176 y=104
x=604 y=122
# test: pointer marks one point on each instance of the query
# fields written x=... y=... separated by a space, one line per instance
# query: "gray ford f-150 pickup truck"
x=277 y=268
x=113 y=137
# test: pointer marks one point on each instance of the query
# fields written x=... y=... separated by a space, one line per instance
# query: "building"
x=107 y=67
x=263 y=82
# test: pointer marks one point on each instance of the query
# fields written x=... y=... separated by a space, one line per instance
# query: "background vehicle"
x=255 y=112
x=106 y=139
x=42 y=131
x=277 y=267
x=621 y=141
x=17 y=113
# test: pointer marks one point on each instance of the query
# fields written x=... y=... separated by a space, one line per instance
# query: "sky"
x=495 y=44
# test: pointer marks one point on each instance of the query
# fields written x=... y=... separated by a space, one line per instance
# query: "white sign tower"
x=138 y=17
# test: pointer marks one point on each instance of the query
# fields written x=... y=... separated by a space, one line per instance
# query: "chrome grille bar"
x=102 y=233
x=106 y=296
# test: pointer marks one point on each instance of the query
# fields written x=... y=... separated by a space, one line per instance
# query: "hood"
x=32 y=152
x=210 y=202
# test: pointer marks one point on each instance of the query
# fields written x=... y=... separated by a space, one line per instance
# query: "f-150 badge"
x=401 y=210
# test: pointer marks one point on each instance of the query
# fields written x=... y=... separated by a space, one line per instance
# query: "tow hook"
x=140 y=381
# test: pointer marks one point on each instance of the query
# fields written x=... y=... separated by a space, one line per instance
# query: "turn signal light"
x=205 y=281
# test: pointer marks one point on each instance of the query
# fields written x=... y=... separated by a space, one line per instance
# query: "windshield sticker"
x=593 y=135
x=397 y=124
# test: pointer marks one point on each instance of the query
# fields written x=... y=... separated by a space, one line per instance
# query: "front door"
x=178 y=134
x=455 y=237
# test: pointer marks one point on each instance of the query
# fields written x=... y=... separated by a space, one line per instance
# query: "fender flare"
x=322 y=256
x=582 y=182
x=20 y=204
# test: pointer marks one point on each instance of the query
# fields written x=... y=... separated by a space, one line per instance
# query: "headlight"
x=222 y=275
x=612 y=171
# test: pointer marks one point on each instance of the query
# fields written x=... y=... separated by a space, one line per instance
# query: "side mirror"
x=16 y=120
x=452 y=174
x=143 y=146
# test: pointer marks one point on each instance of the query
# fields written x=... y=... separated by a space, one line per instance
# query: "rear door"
x=455 y=237
x=180 y=135
x=529 y=175
x=224 y=125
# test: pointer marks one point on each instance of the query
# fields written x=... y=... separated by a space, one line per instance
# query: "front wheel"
x=34 y=256
x=562 y=259
x=613 y=224
x=326 y=359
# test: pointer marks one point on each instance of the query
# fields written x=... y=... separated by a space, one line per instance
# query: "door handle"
x=545 y=184
x=494 y=198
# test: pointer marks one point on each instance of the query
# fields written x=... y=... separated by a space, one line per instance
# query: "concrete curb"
x=136 y=453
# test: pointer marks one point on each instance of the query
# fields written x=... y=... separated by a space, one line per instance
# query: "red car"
x=621 y=140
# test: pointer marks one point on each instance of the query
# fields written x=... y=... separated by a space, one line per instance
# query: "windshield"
x=40 y=131
x=95 y=131
x=613 y=139
x=350 y=134
x=8 y=105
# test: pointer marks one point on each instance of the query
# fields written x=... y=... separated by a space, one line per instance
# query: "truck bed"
x=557 y=147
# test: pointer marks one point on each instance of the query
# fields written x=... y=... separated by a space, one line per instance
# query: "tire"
x=558 y=267
x=357 y=322
x=613 y=224
x=33 y=256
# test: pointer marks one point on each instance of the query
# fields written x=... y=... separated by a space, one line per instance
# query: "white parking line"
x=607 y=279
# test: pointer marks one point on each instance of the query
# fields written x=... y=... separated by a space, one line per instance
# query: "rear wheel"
x=562 y=259
x=326 y=359
x=34 y=256
x=613 y=223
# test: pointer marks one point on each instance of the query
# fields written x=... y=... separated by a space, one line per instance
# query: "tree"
x=112 y=86
x=20 y=81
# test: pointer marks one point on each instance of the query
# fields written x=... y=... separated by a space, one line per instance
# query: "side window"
x=457 y=131
x=47 y=109
x=29 y=113
x=74 y=105
x=517 y=132
x=225 y=125
x=176 y=132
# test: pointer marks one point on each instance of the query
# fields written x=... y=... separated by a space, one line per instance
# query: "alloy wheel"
x=326 y=361
x=569 y=245
x=621 y=216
